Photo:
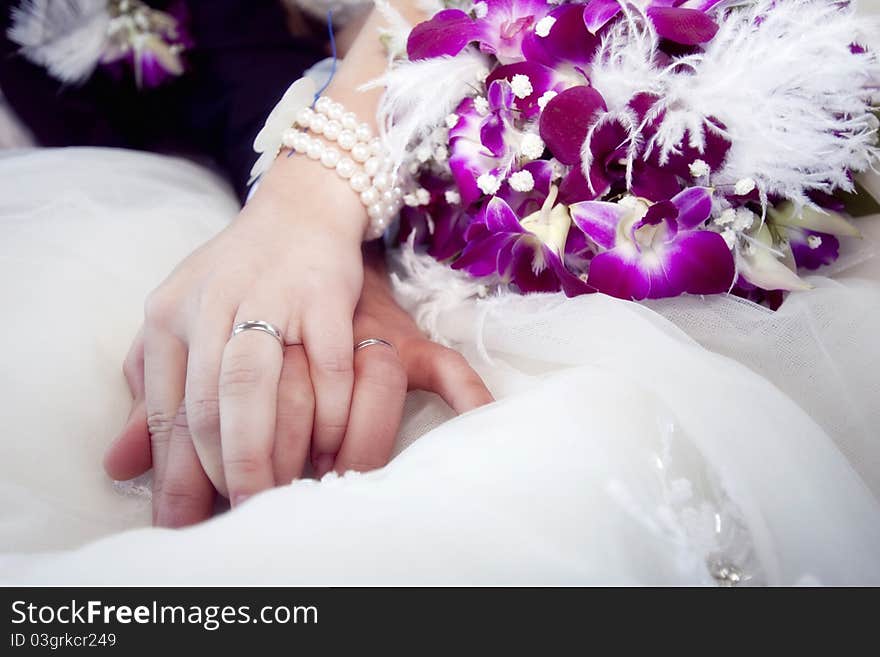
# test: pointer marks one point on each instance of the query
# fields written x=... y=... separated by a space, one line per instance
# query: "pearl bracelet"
x=361 y=162
x=379 y=193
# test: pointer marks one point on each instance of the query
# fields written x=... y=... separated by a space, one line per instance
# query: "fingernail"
x=323 y=464
x=239 y=499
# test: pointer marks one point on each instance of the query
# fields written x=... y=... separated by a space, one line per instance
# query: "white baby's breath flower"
x=452 y=196
x=423 y=153
x=521 y=85
x=543 y=26
x=699 y=168
x=814 y=241
x=423 y=196
x=488 y=183
x=545 y=98
x=522 y=181
x=410 y=200
x=744 y=186
x=481 y=105
x=531 y=146
x=451 y=120
x=744 y=220
x=480 y=9
x=727 y=217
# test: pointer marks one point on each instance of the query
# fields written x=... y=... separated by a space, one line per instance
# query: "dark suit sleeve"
x=242 y=61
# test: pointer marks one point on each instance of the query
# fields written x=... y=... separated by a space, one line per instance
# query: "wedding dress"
x=685 y=441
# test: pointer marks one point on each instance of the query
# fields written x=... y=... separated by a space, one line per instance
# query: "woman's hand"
x=292 y=258
x=382 y=376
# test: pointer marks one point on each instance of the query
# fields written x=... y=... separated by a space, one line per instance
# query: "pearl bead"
x=315 y=149
x=317 y=123
x=346 y=167
x=376 y=146
x=388 y=197
x=370 y=196
x=336 y=111
x=304 y=116
x=364 y=133
x=350 y=121
x=382 y=181
x=397 y=192
x=288 y=137
x=332 y=130
x=323 y=104
x=346 y=139
x=360 y=152
x=375 y=211
x=360 y=182
x=372 y=166
x=330 y=158
x=301 y=142
x=389 y=211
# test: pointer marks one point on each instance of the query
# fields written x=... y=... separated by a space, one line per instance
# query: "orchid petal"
x=689 y=27
x=446 y=33
x=811 y=249
x=598 y=220
x=480 y=257
x=694 y=206
x=760 y=267
x=531 y=270
x=598 y=12
x=499 y=217
x=697 y=262
x=617 y=273
x=785 y=214
x=566 y=120
x=543 y=79
x=568 y=42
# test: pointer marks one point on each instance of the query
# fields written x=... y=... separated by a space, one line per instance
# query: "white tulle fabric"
x=688 y=441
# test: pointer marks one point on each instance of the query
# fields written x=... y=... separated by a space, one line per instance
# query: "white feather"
x=67 y=37
x=429 y=289
x=420 y=94
x=780 y=75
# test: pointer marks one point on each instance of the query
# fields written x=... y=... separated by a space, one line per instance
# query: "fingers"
x=128 y=456
x=249 y=376
x=376 y=410
x=444 y=371
x=185 y=495
x=327 y=335
x=295 y=413
x=164 y=380
x=208 y=341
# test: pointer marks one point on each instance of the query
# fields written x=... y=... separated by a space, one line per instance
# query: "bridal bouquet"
x=640 y=148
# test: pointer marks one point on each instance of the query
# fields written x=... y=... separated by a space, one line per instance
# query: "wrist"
x=307 y=192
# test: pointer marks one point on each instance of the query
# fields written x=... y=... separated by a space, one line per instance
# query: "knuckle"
x=295 y=402
x=239 y=374
x=160 y=423
x=159 y=308
x=203 y=414
x=339 y=362
x=383 y=369
x=246 y=464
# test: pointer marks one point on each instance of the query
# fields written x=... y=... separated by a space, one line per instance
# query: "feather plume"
x=794 y=98
x=420 y=94
x=67 y=37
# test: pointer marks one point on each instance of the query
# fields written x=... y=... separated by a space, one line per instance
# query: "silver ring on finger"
x=369 y=342
x=258 y=325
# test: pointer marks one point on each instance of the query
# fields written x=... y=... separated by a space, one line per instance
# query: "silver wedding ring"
x=369 y=342
x=257 y=325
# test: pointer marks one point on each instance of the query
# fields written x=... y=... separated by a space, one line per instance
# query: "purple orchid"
x=655 y=250
x=499 y=26
x=483 y=145
x=681 y=21
x=526 y=253
x=575 y=123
